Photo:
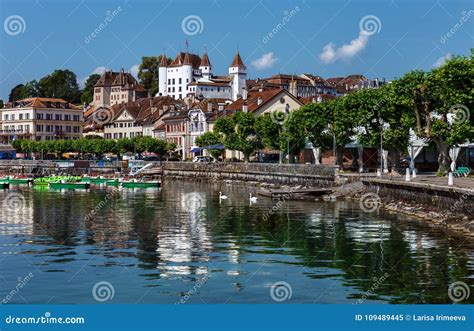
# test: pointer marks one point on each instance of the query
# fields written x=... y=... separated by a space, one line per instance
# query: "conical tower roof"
x=163 y=61
x=237 y=61
x=205 y=61
x=187 y=60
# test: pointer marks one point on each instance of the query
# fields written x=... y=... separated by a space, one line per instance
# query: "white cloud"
x=266 y=61
x=98 y=70
x=346 y=52
x=134 y=70
x=439 y=62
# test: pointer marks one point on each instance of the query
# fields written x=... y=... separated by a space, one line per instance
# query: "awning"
x=216 y=146
x=196 y=149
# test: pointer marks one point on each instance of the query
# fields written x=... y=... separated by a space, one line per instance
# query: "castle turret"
x=187 y=75
x=205 y=66
x=238 y=74
x=162 y=76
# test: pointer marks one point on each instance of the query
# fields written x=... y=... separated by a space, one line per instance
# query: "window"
x=13 y=117
x=180 y=82
x=68 y=128
x=67 y=117
x=21 y=117
x=58 y=117
x=76 y=129
x=48 y=128
x=76 y=118
x=39 y=128
x=27 y=116
x=6 y=117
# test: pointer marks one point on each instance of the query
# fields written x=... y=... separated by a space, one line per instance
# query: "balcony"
x=15 y=132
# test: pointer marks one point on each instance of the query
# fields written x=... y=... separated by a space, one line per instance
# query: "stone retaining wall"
x=286 y=174
x=445 y=199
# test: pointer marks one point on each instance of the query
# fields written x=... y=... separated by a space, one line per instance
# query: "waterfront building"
x=40 y=119
x=189 y=75
x=351 y=83
x=139 y=118
x=116 y=87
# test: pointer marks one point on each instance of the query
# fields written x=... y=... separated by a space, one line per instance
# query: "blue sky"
x=319 y=37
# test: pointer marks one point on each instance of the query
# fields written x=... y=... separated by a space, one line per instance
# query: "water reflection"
x=154 y=245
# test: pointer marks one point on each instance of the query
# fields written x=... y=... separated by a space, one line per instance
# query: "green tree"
x=148 y=73
x=440 y=94
x=239 y=133
x=60 y=84
x=310 y=122
x=16 y=93
x=88 y=91
x=269 y=128
x=208 y=139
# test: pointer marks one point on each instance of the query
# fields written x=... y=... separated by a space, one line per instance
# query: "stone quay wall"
x=283 y=174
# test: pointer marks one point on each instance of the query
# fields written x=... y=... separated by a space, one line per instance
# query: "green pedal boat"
x=70 y=185
x=15 y=181
x=136 y=184
x=94 y=180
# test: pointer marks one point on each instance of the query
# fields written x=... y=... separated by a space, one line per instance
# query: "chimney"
x=245 y=108
x=221 y=107
x=209 y=106
x=259 y=101
x=244 y=93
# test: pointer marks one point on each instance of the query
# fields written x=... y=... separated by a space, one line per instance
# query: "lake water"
x=181 y=244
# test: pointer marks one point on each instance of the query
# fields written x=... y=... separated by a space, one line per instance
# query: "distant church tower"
x=238 y=75
x=162 y=76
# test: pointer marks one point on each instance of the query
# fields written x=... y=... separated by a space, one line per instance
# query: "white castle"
x=189 y=75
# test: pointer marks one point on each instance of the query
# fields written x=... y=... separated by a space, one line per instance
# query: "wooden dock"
x=295 y=194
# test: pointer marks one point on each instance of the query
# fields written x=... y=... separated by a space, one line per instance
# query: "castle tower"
x=205 y=66
x=238 y=75
x=162 y=76
x=186 y=75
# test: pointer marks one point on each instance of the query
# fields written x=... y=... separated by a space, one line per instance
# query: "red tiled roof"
x=237 y=61
x=163 y=61
x=39 y=102
x=194 y=60
x=205 y=60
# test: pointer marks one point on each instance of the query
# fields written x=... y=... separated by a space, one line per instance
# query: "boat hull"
x=140 y=184
x=70 y=186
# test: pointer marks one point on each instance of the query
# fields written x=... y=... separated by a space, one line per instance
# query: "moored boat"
x=4 y=185
x=69 y=185
x=140 y=184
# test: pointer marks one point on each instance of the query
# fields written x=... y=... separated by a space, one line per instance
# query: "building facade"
x=189 y=75
x=116 y=87
x=41 y=119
